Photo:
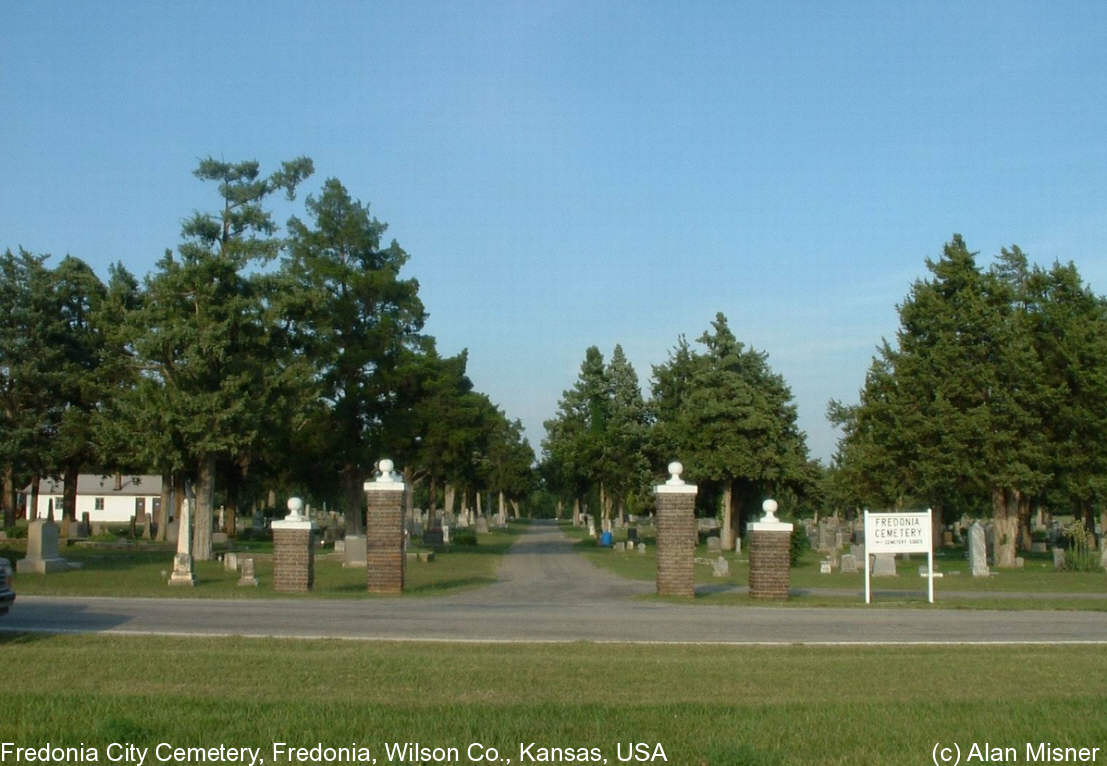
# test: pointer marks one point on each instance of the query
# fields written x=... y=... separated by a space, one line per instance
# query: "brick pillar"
x=384 y=532
x=293 y=554
x=770 y=568
x=676 y=535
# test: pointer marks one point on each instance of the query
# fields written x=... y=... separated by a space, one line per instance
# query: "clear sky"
x=566 y=174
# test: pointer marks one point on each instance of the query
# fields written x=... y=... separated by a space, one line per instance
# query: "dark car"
x=7 y=595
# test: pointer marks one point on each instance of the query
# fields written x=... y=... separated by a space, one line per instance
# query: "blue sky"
x=566 y=174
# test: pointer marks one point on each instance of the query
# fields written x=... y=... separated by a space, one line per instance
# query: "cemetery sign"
x=899 y=533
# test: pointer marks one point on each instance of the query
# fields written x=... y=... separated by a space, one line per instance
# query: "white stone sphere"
x=769 y=506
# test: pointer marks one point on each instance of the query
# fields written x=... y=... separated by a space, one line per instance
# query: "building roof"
x=103 y=485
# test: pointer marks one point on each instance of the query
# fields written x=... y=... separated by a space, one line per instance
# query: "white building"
x=110 y=498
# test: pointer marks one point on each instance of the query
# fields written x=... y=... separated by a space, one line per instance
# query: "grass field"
x=144 y=571
x=703 y=705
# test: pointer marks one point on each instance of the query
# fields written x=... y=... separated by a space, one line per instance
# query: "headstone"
x=848 y=564
x=340 y=547
x=482 y=525
x=737 y=544
x=247 y=577
x=446 y=533
x=230 y=561
x=591 y=529
x=884 y=565
x=355 y=552
x=714 y=544
x=42 y=549
x=857 y=551
x=641 y=547
x=978 y=558
x=632 y=534
x=182 y=562
x=620 y=546
x=825 y=566
x=1058 y=558
x=720 y=567
x=433 y=537
x=219 y=538
x=171 y=530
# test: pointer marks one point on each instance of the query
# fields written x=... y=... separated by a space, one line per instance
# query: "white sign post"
x=899 y=533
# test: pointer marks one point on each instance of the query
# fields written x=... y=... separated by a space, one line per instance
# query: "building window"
x=99 y=504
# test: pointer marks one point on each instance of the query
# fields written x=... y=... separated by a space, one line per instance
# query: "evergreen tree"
x=731 y=421
x=201 y=331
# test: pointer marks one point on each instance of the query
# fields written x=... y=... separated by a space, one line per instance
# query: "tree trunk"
x=514 y=508
x=726 y=532
x=935 y=528
x=502 y=508
x=448 y=501
x=1024 y=523
x=32 y=500
x=69 y=493
x=480 y=512
x=162 y=518
x=557 y=510
x=205 y=498
x=7 y=502
x=352 y=494
x=432 y=501
x=1006 y=517
x=576 y=511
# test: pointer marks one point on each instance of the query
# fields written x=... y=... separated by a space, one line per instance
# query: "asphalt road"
x=546 y=592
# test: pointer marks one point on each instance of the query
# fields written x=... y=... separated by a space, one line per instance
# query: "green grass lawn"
x=703 y=705
x=144 y=571
x=1066 y=589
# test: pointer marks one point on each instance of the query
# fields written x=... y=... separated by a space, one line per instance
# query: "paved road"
x=547 y=593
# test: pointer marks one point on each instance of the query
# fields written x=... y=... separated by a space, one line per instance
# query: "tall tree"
x=354 y=317
x=201 y=330
x=731 y=420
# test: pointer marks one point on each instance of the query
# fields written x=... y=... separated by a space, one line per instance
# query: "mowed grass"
x=703 y=704
x=1048 y=589
x=144 y=572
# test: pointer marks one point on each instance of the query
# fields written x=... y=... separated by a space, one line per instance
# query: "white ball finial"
x=769 y=507
x=386 y=466
x=295 y=506
x=675 y=470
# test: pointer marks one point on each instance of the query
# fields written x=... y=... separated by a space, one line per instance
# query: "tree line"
x=720 y=409
x=246 y=361
x=991 y=401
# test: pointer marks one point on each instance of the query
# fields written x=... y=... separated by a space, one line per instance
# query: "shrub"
x=463 y=537
x=1079 y=557
x=799 y=544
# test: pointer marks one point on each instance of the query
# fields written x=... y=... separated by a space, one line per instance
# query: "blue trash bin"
x=605 y=540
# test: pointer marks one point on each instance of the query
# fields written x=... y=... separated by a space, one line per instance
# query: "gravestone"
x=247 y=577
x=230 y=561
x=42 y=549
x=482 y=525
x=720 y=567
x=714 y=544
x=182 y=562
x=848 y=564
x=354 y=553
x=632 y=534
x=641 y=547
x=737 y=544
x=826 y=566
x=884 y=565
x=1058 y=558
x=978 y=553
x=591 y=528
x=620 y=546
x=219 y=538
x=340 y=547
x=445 y=533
